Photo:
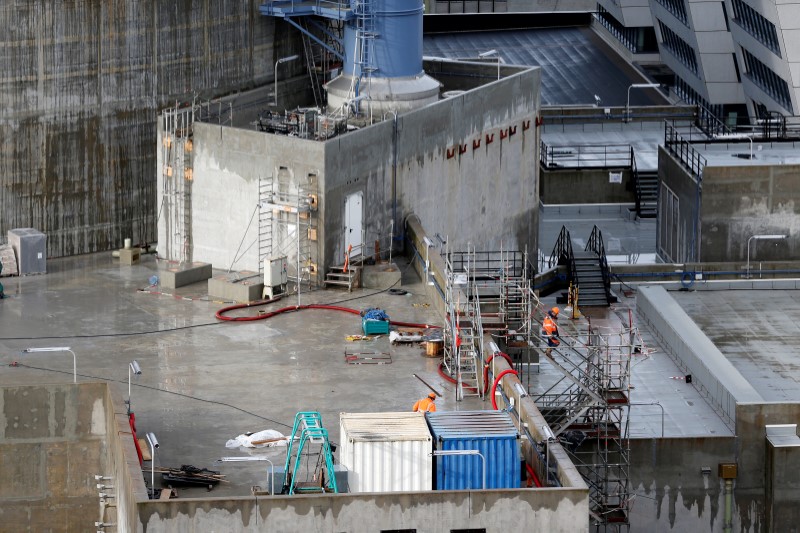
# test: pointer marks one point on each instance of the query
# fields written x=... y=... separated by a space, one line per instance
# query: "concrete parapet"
x=380 y=276
x=176 y=275
x=236 y=286
x=694 y=352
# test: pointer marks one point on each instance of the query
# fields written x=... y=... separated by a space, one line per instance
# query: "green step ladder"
x=307 y=430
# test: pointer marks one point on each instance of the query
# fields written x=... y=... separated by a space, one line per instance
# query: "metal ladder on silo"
x=309 y=426
x=365 y=29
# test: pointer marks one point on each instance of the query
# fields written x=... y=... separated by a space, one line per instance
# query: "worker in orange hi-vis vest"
x=426 y=405
x=550 y=329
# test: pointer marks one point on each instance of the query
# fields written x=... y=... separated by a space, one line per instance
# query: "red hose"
x=497 y=381
x=532 y=474
x=447 y=378
x=486 y=368
x=220 y=315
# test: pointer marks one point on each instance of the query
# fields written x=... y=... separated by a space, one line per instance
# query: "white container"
x=386 y=452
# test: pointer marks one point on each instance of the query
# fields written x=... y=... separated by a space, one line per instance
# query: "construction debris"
x=261 y=439
x=191 y=475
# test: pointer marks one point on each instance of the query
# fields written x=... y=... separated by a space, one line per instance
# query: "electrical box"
x=30 y=246
x=727 y=470
x=275 y=276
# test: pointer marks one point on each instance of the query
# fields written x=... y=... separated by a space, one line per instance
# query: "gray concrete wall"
x=445 y=172
x=673 y=493
x=228 y=163
x=53 y=440
x=694 y=352
x=677 y=240
x=742 y=201
x=81 y=86
x=584 y=186
x=556 y=510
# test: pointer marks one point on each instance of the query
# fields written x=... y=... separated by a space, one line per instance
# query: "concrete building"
x=82 y=87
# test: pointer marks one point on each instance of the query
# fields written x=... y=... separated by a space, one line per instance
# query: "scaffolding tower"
x=176 y=182
x=485 y=292
x=287 y=225
x=588 y=410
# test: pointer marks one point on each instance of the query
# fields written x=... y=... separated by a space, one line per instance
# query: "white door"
x=353 y=215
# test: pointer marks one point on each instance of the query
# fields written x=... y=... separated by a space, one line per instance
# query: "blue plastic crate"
x=375 y=327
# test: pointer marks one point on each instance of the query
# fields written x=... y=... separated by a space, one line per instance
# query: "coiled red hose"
x=497 y=382
x=447 y=378
x=220 y=315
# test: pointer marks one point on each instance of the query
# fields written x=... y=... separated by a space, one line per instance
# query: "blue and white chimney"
x=383 y=59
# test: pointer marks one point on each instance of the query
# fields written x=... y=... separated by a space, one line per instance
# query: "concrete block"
x=380 y=276
x=27 y=412
x=763 y=284
x=236 y=286
x=176 y=275
x=784 y=284
x=129 y=256
x=23 y=468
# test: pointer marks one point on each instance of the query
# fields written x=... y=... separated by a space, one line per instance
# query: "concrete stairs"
x=589 y=278
x=647 y=194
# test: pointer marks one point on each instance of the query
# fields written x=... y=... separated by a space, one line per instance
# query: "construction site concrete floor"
x=224 y=378
x=204 y=382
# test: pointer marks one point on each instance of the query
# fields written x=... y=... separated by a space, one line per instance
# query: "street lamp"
x=636 y=86
x=153 y=442
x=58 y=349
x=759 y=238
x=278 y=62
x=465 y=452
x=491 y=53
x=133 y=368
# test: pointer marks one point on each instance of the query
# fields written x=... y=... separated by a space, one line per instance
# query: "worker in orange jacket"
x=550 y=329
x=426 y=405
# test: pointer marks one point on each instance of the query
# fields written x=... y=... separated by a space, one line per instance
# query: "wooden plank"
x=145 y=449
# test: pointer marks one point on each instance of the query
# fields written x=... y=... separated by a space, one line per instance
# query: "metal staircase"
x=306 y=431
x=646 y=184
x=588 y=269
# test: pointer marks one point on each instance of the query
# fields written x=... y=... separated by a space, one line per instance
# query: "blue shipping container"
x=492 y=433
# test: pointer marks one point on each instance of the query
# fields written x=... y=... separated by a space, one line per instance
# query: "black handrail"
x=562 y=253
x=596 y=245
x=637 y=186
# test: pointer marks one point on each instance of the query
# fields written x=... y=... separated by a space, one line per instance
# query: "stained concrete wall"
x=736 y=202
x=556 y=510
x=584 y=186
x=81 y=85
x=444 y=170
x=228 y=163
x=53 y=440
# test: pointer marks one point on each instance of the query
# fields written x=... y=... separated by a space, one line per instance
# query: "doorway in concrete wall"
x=353 y=222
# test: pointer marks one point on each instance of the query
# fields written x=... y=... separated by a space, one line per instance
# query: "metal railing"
x=596 y=245
x=562 y=253
x=585 y=155
x=709 y=123
x=683 y=150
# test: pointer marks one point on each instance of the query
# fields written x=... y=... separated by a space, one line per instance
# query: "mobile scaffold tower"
x=588 y=410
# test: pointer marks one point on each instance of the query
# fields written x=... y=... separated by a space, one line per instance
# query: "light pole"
x=153 y=442
x=759 y=238
x=278 y=62
x=491 y=53
x=466 y=452
x=59 y=349
x=628 y=101
x=133 y=368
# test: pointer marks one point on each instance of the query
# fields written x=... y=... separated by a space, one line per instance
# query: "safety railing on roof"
x=709 y=123
x=585 y=155
x=562 y=253
x=683 y=150
x=596 y=245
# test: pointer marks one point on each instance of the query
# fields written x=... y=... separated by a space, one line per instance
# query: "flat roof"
x=576 y=63
x=739 y=153
x=205 y=382
x=758 y=331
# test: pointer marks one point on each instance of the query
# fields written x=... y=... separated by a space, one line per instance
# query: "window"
x=678 y=47
x=756 y=25
x=676 y=7
x=637 y=40
x=669 y=213
x=767 y=80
